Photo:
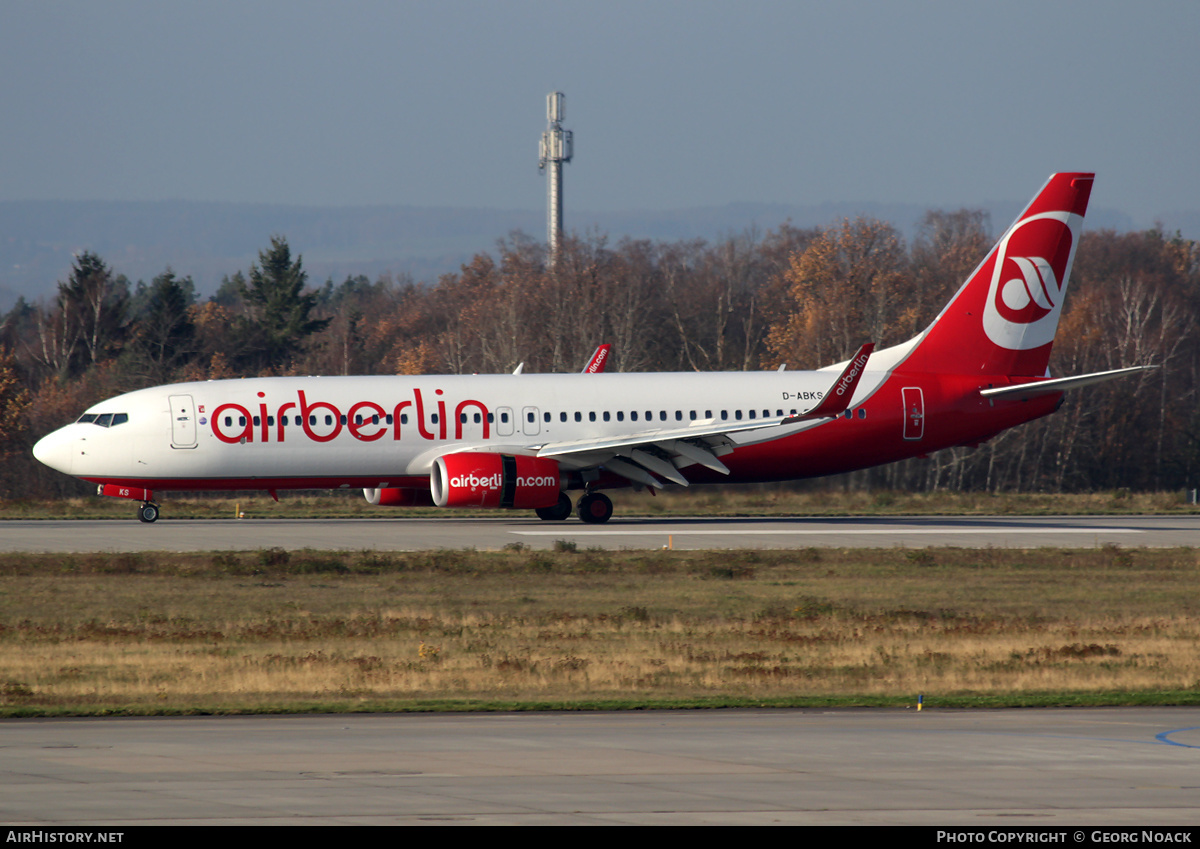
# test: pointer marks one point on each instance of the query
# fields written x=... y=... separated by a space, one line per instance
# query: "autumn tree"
x=851 y=285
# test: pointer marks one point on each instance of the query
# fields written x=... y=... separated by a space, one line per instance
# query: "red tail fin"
x=598 y=361
x=1003 y=319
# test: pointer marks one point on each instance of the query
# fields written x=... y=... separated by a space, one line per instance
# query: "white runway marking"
x=827 y=531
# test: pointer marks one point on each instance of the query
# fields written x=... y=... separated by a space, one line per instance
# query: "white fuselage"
x=381 y=431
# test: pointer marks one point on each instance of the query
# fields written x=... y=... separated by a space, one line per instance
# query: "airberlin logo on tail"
x=1029 y=280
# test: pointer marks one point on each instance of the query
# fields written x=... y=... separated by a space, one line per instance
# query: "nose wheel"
x=148 y=512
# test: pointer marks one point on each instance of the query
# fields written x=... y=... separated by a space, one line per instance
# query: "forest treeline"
x=804 y=297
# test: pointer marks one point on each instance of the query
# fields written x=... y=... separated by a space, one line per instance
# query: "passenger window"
x=620 y=415
x=562 y=417
x=692 y=415
x=606 y=415
x=579 y=417
x=591 y=417
x=862 y=412
x=633 y=416
x=752 y=414
x=478 y=419
x=679 y=415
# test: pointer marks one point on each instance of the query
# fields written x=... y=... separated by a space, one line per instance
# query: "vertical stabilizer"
x=1003 y=319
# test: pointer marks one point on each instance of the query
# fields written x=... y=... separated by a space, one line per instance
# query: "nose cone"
x=57 y=450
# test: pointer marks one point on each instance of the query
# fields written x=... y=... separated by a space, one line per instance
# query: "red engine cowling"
x=476 y=479
x=392 y=497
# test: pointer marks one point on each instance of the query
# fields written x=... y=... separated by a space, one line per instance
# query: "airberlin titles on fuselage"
x=322 y=421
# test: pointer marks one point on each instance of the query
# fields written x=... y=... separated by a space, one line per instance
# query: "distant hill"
x=210 y=240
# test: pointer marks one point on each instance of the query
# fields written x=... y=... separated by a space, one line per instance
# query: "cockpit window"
x=103 y=419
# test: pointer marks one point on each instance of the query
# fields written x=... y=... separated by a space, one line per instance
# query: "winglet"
x=837 y=398
x=598 y=361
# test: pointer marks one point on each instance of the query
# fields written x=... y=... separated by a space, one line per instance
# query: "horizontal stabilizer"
x=1059 y=384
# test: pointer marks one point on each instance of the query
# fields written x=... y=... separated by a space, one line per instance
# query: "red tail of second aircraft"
x=1002 y=321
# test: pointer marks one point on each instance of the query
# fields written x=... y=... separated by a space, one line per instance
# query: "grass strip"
x=273 y=631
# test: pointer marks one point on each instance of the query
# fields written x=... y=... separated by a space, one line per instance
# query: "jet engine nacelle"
x=392 y=497
x=477 y=479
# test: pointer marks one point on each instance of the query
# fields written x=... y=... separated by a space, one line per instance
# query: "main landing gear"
x=558 y=512
x=148 y=512
x=594 y=508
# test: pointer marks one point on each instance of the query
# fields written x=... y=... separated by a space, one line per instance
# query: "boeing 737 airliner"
x=526 y=440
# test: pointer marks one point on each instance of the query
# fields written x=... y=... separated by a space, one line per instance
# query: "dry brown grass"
x=184 y=632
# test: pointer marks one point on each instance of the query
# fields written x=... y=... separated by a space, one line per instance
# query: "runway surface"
x=1007 y=770
x=483 y=534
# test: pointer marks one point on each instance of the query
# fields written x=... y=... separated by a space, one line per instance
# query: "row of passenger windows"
x=531 y=416
x=692 y=415
x=104 y=419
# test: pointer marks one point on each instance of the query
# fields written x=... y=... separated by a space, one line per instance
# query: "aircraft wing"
x=663 y=451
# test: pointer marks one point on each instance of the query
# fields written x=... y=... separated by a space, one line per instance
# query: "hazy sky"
x=673 y=104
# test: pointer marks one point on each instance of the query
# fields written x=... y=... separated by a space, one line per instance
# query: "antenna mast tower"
x=556 y=148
